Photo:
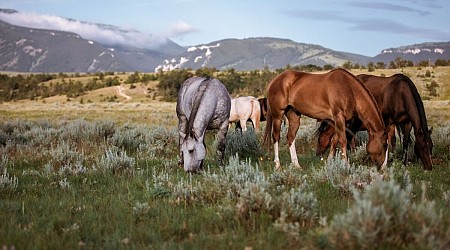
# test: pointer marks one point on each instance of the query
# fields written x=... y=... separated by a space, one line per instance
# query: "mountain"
x=39 y=50
x=416 y=53
x=43 y=50
x=257 y=53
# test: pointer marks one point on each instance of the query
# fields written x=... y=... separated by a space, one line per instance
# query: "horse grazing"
x=337 y=96
x=243 y=109
x=401 y=108
x=202 y=104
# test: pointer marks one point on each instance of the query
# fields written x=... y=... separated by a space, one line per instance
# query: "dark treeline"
x=32 y=86
x=37 y=86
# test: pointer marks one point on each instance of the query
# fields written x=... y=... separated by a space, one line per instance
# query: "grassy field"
x=96 y=174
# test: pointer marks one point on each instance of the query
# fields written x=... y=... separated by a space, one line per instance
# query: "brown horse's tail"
x=269 y=125
x=418 y=103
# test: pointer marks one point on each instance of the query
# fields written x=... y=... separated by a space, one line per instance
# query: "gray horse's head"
x=194 y=151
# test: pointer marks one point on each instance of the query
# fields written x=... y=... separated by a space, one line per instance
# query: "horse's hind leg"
x=243 y=124
x=221 y=138
x=294 y=124
x=255 y=122
x=276 y=121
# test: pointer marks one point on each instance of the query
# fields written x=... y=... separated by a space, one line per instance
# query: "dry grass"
x=145 y=107
x=154 y=112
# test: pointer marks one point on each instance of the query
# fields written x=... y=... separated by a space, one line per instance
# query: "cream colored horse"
x=244 y=108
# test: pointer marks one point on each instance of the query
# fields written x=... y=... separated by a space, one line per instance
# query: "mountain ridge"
x=25 y=49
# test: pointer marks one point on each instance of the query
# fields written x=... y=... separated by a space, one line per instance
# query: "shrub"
x=65 y=159
x=345 y=176
x=116 y=161
x=7 y=183
x=245 y=144
x=385 y=215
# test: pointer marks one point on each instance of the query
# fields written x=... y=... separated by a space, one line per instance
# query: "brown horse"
x=401 y=107
x=337 y=96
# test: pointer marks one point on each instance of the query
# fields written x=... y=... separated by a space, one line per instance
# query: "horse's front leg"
x=406 y=129
x=221 y=138
x=294 y=124
x=339 y=137
x=182 y=125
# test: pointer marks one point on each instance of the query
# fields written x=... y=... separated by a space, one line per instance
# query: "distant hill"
x=416 y=53
x=257 y=53
x=38 y=50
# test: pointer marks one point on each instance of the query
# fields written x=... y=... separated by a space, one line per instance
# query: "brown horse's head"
x=324 y=136
x=377 y=147
x=424 y=148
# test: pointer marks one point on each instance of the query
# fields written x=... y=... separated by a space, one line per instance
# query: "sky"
x=361 y=27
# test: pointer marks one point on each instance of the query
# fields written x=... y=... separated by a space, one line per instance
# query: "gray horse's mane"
x=197 y=100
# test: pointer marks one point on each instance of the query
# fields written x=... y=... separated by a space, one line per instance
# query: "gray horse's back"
x=215 y=103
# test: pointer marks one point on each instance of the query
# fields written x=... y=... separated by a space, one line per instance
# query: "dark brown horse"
x=337 y=96
x=401 y=107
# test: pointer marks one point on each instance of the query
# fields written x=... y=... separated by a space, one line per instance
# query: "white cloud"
x=180 y=28
x=104 y=34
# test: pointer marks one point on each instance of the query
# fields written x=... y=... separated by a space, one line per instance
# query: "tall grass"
x=105 y=184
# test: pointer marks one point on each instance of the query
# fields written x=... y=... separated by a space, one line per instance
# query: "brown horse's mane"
x=197 y=100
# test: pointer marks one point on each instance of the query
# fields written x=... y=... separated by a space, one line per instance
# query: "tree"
x=347 y=65
x=328 y=67
x=170 y=83
x=423 y=63
x=133 y=78
x=440 y=62
x=380 y=65
x=370 y=67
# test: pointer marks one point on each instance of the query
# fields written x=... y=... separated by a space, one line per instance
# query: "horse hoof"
x=277 y=166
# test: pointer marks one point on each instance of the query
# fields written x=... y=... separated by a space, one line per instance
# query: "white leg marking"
x=276 y=157
x=293 y=152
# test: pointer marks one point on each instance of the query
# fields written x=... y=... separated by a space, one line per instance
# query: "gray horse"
x=203 y=104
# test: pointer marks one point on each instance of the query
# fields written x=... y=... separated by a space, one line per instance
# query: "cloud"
x=320 y=15
x=374 y=25
x=104 y=34
x=386 y=26
x=388 y=6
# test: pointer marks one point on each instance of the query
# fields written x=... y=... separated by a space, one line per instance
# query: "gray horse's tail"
x=197 y=101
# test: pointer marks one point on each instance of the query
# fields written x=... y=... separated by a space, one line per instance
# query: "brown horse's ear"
x=430 y=131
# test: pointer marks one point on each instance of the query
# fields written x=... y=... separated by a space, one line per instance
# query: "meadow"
x=93 y=174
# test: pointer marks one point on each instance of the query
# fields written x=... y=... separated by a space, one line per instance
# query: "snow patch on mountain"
x=197 y=54
x=413 y=51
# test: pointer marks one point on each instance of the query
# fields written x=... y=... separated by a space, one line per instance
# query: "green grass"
x=69 y=194
x=154 y=204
